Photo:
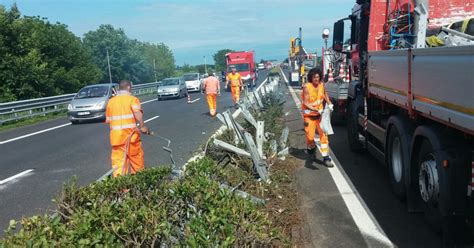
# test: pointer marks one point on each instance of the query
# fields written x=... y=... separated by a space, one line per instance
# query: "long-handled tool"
x=166 y=148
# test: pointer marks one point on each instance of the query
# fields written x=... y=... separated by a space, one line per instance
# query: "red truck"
x=411 y=106
x=245 y=64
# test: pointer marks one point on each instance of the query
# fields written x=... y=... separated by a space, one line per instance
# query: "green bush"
x=148 y=209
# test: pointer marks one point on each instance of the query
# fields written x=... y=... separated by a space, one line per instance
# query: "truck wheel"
x=429 y=182
x=398 y=160
x=353 y=125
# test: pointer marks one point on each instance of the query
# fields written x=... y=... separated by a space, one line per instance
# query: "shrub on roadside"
x=149 y=209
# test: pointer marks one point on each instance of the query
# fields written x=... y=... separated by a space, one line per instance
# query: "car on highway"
x=261 y=66
x=193 y=81
x=90 y=102
x=172 y=88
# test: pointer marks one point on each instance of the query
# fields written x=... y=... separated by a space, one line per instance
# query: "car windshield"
x=170 y=81
x=240 y=67
x=190 y=77
x=92 y=92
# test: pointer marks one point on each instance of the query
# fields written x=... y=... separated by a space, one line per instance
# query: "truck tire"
x=353 y=124
x=398 y=158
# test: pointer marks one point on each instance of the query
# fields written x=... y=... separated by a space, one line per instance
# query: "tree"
x=162 y=56
x=129 y=59
x=40 y=58
x=219 y=59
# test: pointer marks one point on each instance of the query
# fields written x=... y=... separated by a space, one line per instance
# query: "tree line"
x=39 y=58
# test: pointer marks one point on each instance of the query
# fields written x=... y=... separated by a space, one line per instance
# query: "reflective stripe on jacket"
x=314 y=97
x=119 y=115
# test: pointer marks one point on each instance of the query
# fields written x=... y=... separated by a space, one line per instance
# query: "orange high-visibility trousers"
x=132 y=162
x=211 y=101
x=311 y=125
x=235 y=90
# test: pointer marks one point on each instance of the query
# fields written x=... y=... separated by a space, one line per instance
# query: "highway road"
x=51 y=153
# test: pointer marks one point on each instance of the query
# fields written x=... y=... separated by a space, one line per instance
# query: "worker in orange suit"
x=314 y=98
x=235 y=81
x=125 y=117
x=212 y=88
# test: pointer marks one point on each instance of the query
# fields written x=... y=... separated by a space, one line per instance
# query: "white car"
x=261 y=66
x=193 y=81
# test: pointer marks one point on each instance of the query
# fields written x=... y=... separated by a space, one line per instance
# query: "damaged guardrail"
x=254 y=145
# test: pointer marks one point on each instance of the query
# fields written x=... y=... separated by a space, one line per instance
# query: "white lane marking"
x=363 y=218
x=152 y=118
x=152 y=100
x=16 y=176
x=35 y=133
x=195 y=100
x=53 y=128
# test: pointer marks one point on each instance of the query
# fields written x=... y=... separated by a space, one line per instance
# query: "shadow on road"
x=370 y=178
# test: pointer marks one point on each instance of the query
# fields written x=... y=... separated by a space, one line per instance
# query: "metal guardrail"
x=17 y=110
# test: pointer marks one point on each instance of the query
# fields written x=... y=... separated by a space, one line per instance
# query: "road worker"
x=124 y=113
x=212 y=88
x=314 y=98
x=235 y=81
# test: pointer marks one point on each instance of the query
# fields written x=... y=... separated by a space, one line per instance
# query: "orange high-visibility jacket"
x=234 y=79
x=312 y=99
x=119 y=115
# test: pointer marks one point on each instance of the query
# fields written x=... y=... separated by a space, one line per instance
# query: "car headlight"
x=160 y=90
x=69 y=106
x=99 y=105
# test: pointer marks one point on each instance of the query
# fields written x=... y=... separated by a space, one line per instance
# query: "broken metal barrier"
x=256 y=101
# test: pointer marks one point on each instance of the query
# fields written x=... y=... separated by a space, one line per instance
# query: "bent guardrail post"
x=231 y=126
x=259 y=100
x=243 y=194
x=259 y=164
x=228 y=147
x=284 y=137
x=260 y=137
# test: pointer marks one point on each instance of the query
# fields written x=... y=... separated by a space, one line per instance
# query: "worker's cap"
x=232 y=67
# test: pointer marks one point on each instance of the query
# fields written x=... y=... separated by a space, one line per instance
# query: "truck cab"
x=244 y=64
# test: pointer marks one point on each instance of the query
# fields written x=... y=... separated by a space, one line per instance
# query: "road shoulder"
x=327 y=221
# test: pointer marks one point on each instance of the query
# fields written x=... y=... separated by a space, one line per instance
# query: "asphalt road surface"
x=83 y=150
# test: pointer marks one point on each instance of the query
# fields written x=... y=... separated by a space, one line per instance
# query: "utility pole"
x=108 y=63
x=300 y=55
x=205 y=64
x=154 y=70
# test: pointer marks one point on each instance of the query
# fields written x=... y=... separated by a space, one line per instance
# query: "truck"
x=336 y=64
x=412 y=107
x=300 y=62
x=245 y=65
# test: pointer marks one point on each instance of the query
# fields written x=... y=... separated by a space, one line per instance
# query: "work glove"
x=331 y=107
x=219 y=93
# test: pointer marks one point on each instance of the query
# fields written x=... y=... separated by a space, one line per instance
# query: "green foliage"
x=155 y=209
x=219 y=59
x=40 y=58
x=129 y=59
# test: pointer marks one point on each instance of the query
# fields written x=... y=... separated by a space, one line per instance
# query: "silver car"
x=90 y=102
x=172 y=88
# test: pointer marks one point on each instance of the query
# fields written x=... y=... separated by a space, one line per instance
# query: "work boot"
x=328 y=162
x=311 y=153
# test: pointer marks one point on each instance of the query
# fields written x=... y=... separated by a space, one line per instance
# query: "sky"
x=194 y=29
